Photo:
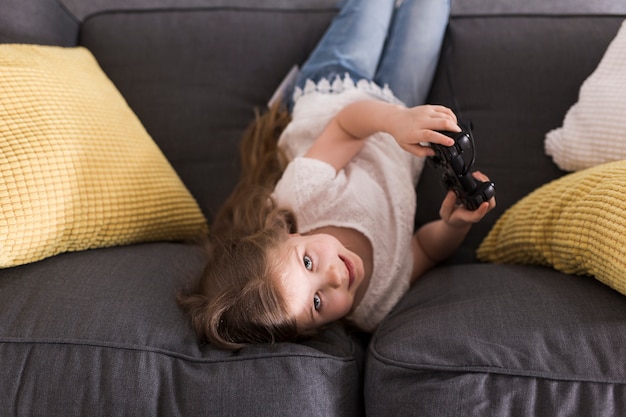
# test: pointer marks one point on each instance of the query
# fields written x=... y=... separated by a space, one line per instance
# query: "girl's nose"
x=334 y=277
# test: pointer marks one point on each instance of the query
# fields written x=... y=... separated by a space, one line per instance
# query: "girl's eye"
x=308 y=263
x=317 y=302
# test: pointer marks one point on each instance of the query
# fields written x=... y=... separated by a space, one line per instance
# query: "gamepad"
x=457 y=160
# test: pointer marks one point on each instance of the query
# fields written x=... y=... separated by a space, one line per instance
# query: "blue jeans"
x=384 y=42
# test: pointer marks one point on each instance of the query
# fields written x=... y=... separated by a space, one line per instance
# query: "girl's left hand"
x=455 y=215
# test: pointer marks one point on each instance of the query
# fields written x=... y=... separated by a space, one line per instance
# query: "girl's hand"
x=415 y=128
x=457 y=216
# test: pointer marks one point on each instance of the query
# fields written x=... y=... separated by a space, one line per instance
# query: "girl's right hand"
x=416 y=128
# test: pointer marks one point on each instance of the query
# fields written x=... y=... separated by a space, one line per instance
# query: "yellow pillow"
x=576 y=224
x=77 y=168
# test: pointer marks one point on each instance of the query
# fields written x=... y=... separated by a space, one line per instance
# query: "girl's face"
x=319 y=279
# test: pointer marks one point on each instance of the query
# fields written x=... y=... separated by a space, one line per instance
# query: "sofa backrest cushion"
x=513 y=77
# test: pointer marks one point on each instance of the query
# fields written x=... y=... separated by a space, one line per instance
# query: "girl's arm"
x=435 y=241
x=342 y=138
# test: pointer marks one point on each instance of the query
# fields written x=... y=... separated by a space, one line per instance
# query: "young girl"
x=320 y=225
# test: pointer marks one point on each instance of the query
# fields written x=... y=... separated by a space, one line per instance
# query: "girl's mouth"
x=350 y=269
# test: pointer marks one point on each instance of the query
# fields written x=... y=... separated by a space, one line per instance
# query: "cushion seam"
x=373 y=354
x=536 y=16
x=121 y=11
x=165 y=352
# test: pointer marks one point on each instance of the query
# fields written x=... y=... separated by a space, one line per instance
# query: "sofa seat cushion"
x=500 y=340
x=99 y=333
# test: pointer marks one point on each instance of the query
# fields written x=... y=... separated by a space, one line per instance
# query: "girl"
x=320 y=225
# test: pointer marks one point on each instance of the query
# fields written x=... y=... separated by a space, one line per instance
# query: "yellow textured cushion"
x=77 y=168
x=576 y=224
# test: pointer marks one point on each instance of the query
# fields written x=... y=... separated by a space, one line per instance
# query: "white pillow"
x=594 y=129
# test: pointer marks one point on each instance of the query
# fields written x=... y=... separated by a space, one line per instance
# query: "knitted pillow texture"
x=77 y=168
x=575 y=224
x=594 y=128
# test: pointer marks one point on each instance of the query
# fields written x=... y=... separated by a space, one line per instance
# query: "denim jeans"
x=389 y=42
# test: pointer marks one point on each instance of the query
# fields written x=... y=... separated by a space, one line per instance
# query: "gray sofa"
x=99 y=332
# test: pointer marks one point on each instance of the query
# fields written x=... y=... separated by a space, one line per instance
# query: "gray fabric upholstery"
x=37 y=21
x=477 y=340
x=99 y=332
x=82 y=10
x=191 y=88
x=472 y=339
x=536 y=66
x=537 y=7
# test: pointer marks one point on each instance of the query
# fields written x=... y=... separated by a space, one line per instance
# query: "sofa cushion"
x=575 y=224
x=99 y=333
x=594 y=129
x=505 y=340
x=78 y=170
x=536 y=65
x=42 y=22
x=194 y=75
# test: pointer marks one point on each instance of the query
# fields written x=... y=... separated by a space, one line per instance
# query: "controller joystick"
x=457 y=160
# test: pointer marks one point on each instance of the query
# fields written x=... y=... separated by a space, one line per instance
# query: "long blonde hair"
x=236 y=301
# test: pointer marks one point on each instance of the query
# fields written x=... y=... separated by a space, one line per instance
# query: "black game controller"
x=457 y=161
